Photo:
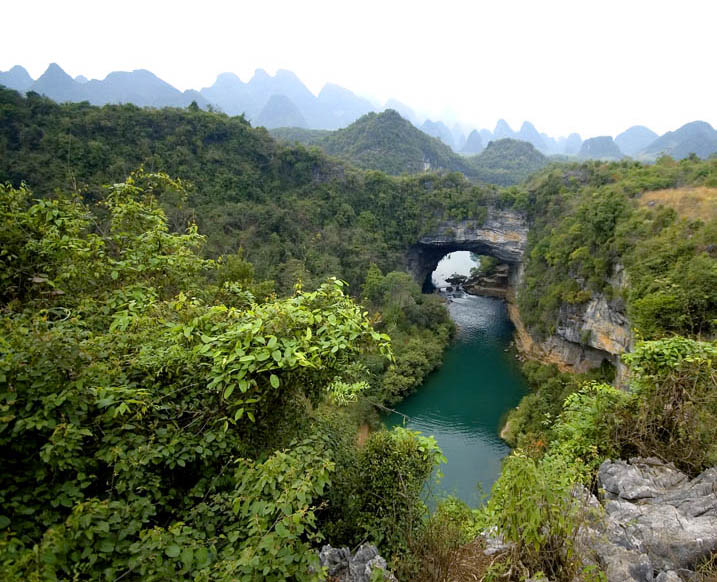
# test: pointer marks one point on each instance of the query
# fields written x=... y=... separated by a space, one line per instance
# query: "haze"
x=591 y=67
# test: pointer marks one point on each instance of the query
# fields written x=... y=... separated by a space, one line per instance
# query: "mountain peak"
x=55 y=71
x=502 y=130
x=634 y=139
x=16 y=78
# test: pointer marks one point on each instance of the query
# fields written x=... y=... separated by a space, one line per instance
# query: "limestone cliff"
x=585 y=334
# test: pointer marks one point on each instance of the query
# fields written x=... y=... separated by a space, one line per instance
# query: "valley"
x=200 y=315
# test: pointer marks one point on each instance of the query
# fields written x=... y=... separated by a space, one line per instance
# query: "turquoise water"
x=463 y=402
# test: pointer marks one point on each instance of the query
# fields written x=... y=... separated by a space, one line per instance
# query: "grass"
x=694 y=203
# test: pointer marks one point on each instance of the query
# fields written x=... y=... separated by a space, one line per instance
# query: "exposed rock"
x=658 y=524
x=585 y=336
x=567 y=356
x=343 y=567
x=597 y=325
x=493 y=285
x=503 y=235
x=494 y=543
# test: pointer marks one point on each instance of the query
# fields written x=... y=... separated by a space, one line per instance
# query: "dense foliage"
x=158 y=422
x=588 y=225
x=670 y=412
x=294 y=212
x=506 y=162
x=388 y=143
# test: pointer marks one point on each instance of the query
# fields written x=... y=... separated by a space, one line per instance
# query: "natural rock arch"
x=503 y=235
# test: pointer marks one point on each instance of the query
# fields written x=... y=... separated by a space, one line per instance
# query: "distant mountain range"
x=283 y=100
x=139 y=87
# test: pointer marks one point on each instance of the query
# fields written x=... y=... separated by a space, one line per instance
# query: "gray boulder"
x=342 y=566
x=658 y=524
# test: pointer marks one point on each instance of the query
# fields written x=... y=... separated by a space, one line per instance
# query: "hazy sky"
x=591 y=67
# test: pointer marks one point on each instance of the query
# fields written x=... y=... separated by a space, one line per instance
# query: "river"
x=463 y=402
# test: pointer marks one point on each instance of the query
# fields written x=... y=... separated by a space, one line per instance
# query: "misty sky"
x=591 y=67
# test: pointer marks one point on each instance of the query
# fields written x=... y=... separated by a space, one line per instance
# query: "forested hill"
x=506 y=162
x=386 y=142
x=296 y=213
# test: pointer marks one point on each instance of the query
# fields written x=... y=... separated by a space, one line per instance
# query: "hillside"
x=299 y=135
x=506 y=162
x=474 y=143
x=600 y=148
x=697 y=137
x=248 y=191
x=382 y=141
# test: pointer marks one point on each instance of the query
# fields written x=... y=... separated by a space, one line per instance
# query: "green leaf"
x=106 y=546
x=282 y=531
x=274 y=379
x=187 y=557
x=173 y=551
x=238 y=414
x=228 y=391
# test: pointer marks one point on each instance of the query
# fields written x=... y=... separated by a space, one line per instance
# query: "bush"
x=532 y=507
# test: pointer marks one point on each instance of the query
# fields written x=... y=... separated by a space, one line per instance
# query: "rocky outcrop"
x=657 y=523
x=493 y=284
x=342 y=566
x=567 y=355
x=585 y=335
x=503 y=235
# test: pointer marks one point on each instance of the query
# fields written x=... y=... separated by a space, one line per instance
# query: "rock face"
x=502 y=235
x=585 y=334
x=657 y=525
x=344 y=567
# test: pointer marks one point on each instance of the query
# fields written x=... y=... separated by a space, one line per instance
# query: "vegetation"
x=293 y=212
x=671 y=412
x=177 y=405
x=387 y=142
x=588 y=224
x=506 y=162
x=156 y=424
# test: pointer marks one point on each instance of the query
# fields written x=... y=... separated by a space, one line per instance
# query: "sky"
x=591 y=67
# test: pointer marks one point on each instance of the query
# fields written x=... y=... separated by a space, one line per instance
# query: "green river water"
x=463 y=402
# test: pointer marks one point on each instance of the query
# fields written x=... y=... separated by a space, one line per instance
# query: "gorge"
x=585 y=334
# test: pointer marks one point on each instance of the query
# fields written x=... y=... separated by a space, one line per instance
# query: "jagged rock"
x=343 y=567
x=658 y=524
x=669 y=576
x=639 y=479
